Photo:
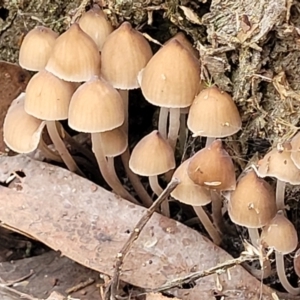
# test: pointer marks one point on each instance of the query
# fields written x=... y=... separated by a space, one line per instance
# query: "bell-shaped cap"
x=124 y=54
x=280 y=234
x=278 y=163
x=252 y=204
x=152 y=156
x=48 y=97
x=295 y=152
x=187 y=191
x=96 y=107
x=75 y=56
x=212 y=167
x=21 y=131
x=36 y=48
x=95 y=23
x=214 y=114
x=172 y=76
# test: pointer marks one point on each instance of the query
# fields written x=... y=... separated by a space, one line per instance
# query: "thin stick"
x=62 y=149
x=111 y=290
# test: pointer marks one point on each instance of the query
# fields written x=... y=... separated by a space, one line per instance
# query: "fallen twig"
x=111 y=290
x=80 y=286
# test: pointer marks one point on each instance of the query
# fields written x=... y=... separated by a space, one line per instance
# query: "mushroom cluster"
x=84 y=76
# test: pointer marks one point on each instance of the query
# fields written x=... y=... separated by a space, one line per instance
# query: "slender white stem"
x=108 y=174
x=216 y=206
x=163 y=121
x=282 y=276
x=254 y=236
x=182 y=133
x=157 y=189
x=135 y=181
x=125 y=94
x=280 y=192
x=61 y=148
x=48 y=153
x=209 y=140
x=174 y=125
x=208 y=225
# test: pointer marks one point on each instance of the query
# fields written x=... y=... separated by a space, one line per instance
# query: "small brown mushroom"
x=281 y=235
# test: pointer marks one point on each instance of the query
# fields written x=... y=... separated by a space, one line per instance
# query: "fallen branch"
x=111 y=289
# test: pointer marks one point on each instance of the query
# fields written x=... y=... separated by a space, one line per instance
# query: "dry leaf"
x=90 y=226
x=190 y=15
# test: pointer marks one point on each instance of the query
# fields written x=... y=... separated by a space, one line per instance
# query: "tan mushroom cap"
x=295 y=153
x=75 y=56
x=21 y=131
x=278 y=164
x=187 y=191
x=280 y=234
x=212 y=167
x=172 y=76
x=113 y=142
x=182 y=39
x=96 y=107
x=36 y=48
x=95 y=23
x=48 y=97
x=252 y=203
x=124 y=54
x=214 y=114
x=152 y=156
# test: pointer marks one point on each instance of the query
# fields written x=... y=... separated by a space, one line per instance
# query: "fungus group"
x=84 y=76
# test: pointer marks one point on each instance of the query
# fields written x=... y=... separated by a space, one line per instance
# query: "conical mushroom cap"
x=36 y=48
x=252 y=203
x=21 y=131
x=96 y=107
x=124 y=54
x=280 y=234
x=48 y=97
x=187 y=191
x=172 y=76
x=214 y=114
x=94 y=23
x=295 y=154
x=75 y=56
x=279 y=164
x=212 y=167
x=152 y=156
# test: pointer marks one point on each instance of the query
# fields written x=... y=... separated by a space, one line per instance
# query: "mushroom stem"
x=216 y=206
x=174 y=125
x=182 y=133
x=282 y=276
x=61 y=148
x=108 y=174
x=157 y=189
x=280 y=191
x=254 y=236
x=48 y=153
x=125 y=94
x=209 y=140
x=208 y=225
x=135 y=181
x=163 y=121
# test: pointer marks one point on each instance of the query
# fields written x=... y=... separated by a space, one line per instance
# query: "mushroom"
x=23 y=133
x=192 y=194
x=96 y=107
x=47 y=98
x=153 y=156
x=36 y=48
x=74 y=56
x=278 y=163
x=213 y=114
x=295 y=153
x=212 y=168
x=252 y=204
x=297 y=262
x=124 y=54
x=171 y=81
x=281 y=235
x=95 y=23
